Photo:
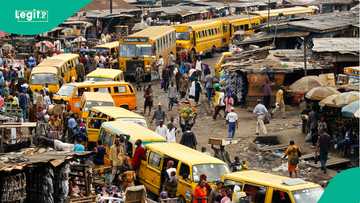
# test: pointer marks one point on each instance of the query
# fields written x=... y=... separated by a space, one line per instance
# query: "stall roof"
x=340 y=45
x=18 y=161
x=105 y=5
x=263 y=36
x=329 y=22
x=182 y=10
x=318 y=2
x=106 y=13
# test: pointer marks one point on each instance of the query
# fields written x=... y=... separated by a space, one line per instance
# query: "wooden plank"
x=332 y=161
x=274 y=147
x=308 y=156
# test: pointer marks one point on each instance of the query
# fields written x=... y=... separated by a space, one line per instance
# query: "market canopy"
x=346 y=98
x=340 y=100
x=320 y=93
x=305 y=84
x=351 y=110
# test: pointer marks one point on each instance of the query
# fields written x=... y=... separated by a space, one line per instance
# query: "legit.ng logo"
x=32 y=16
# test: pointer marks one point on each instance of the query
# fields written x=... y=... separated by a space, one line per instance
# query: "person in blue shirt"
x=99 y=154
x=78 y=147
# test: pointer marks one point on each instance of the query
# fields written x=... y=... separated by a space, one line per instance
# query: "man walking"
x=260 y=111
x=267 y=93
x=189 y=139
x=232 y=121
x=323 y=144
x=219 y=103
x=159 y=115
x=117 y=153
x=280 y=104
x=161 y=130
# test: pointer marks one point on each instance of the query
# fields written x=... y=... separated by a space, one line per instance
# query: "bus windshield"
x=212 y=171
x=98 y=79
x=182 y=36
x=311 y=195
x=44 y=78
x=132 y=50
x=66 y=90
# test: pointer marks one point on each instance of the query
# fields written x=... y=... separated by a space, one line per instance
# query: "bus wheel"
x=181 y=200
x=125 y=107
x=147 y=78
x=213 y=51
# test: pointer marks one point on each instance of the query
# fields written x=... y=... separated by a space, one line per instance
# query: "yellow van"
x=189 y=163
x=132 y=132
x=123 y=93
x=100 y=114
x=53 y=72
x=91 y=99
x=110 y=49
x=47 y=77
x=105 y=74
x=267 y=188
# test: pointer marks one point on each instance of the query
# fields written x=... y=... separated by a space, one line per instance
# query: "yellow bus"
x=201 y=37
x=190 y=164
x=105 y=74
x=132 y=132
x=109 y=49
x=267 y=188
x=143 y=48
x=71 y=61
x=286 y=13
x=100 y=114
x=54 y=72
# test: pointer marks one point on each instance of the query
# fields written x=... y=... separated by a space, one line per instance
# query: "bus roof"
x=268 y=179
x=153 y=32
x=108 y=45
x=285 y=11
x=65 y=57
x=104 y=73
x=183 y=153
x=92 y=83
x=199 y=23
x=44 y=69
x=98 y=96
x=135 y=131
x=51 y=62
x=116 y=112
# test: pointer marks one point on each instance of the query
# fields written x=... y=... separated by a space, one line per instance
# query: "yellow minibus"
x=143 y=48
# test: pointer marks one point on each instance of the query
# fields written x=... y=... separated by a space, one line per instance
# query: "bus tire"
x=181 y=199
x=213 y=51
x=125 y=106
x=147 y=78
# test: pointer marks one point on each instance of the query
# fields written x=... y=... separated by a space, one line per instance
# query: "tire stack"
x=12 y=187
x=39 y=184
x=61 y=183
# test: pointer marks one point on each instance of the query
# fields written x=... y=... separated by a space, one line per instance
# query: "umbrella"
x=79 y=39
x=346 y=98
x=340 y=100
x=328 y=101
x=305 y=84
x=320 y=93
x=45 y=43
x=7 y=47
x=351 y=110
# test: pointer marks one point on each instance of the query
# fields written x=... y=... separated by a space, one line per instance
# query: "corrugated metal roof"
x=327 y=22
x=341 y=45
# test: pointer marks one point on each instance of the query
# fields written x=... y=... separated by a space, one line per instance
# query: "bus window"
x=119 y=89
x=246 y=27
x=154 y=160
x=102 y=89
x=184 y=171
x=280 y=197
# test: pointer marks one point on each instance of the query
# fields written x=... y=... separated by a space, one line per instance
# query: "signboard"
x=136 y=39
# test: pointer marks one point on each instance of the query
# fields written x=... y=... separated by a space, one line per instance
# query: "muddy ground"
x=286 y=129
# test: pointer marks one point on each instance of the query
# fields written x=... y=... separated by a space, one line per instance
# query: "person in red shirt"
x=138 y=155
x=200 y=193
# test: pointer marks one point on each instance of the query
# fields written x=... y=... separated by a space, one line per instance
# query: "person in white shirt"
x=160 y=66
x=232 y=121
x=171 y=134
x=161 y=129
x=260 y=111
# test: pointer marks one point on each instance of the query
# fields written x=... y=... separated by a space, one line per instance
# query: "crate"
x=221 y=141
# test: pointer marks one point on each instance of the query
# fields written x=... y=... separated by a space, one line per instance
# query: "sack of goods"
x=187 y=113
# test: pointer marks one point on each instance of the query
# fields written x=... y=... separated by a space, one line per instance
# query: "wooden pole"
x=305 y=58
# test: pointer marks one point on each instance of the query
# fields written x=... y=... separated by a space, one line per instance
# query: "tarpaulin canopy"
x=351 y=110
x=305 y=84
x=340 y=100
x=320 y=93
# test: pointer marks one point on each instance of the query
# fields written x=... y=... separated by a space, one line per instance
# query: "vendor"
x=61 y=146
